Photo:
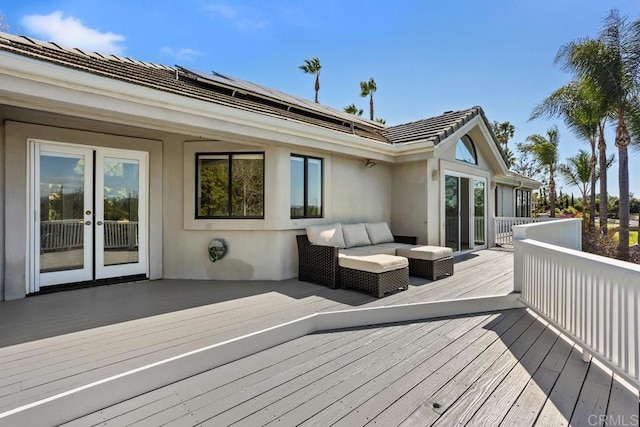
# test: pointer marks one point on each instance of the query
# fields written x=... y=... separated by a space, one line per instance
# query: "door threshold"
x=90 y=284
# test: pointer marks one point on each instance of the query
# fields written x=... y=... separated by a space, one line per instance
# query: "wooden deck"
x=55 y=342
x=507 y=367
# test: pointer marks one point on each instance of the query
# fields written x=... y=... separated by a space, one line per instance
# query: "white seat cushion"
x=326 y=235
x=377 y=249
x=379 y=232
x=396 y=245
x=427 y=253
x=355 y=235
x=373 y=263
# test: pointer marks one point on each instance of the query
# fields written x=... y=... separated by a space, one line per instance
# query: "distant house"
x=115 y=170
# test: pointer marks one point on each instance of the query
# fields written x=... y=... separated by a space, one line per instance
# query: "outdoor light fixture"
x=435 y=174
x=369 y=164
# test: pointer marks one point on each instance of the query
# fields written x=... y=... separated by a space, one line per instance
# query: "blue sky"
x=427 y=57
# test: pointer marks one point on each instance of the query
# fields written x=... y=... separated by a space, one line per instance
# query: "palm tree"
x=352 y=109
x=509 y=156
x=577 y=171
x=611 y=63
x=545 y=152
x=584 y=113
x=503 y=131
x=367 y=89
x=313 y=66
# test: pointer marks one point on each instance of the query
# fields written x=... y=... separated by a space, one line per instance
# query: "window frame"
x=229 y=155
x=473 y=151
x=306 y=187
x=523 y=209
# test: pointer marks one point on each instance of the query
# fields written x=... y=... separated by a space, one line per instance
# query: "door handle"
x=99 y=223
x=87 y=223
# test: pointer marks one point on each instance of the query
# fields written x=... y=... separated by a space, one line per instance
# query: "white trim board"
x=72 y=404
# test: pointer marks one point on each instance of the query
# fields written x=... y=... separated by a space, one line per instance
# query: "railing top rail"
x=591 y=258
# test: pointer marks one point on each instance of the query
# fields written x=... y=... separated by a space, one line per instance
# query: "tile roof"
x=438 y=128
x=213 y=88
x=228 y=91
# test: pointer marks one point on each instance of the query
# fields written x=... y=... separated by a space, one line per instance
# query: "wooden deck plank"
x=418 y=396
x=233 y=408
x=470 y=400
x=295 y=409
x=328 y=409
x=594 y=396
x=562 y=400
x=624 y=404
x=265 y=363
x=526 y=408
x=368 y=410
x=446 y=396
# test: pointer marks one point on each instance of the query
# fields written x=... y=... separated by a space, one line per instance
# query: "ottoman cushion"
x=427 y=253
x=373 y=263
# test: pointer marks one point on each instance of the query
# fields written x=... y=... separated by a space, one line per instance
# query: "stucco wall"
x=2 y=260
x=16 y=192
x=409 y=205
x=265 y=248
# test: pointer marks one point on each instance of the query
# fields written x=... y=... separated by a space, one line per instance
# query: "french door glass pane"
x=297 y=186
x=451 y=201
x=61 y=212
x=121 y=199
x=479 y=212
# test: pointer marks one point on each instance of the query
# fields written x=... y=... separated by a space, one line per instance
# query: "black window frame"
x=230 y=190
x=306 y=187
x=523 y=201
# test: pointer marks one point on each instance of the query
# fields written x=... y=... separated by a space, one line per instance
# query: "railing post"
x=519 y=233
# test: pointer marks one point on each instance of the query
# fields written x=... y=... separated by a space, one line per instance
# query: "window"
x=466 y=151
x=523 y=203
x=306 y=187
x=230 y=185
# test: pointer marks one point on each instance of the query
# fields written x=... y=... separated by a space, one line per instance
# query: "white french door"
x=465 y=212
x=89 y=216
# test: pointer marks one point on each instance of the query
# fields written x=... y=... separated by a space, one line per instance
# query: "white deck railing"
x=504 y=226
x=592 y=299
x=69 y=234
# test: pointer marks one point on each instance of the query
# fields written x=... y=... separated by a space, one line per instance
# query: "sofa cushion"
x=427 y=253
x=379 y=232
x=373 y=263
x=377 y=249
x=353 y=251
x=396 y=245
x=355 y=235
x=326 y=235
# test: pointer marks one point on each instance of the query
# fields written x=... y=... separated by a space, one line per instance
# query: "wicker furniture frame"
x=319 y=264
x=377 y=284
x=431 y=270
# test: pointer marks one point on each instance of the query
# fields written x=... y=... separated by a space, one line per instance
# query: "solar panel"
x=252 y=88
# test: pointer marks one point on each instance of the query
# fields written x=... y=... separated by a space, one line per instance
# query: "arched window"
x=466 y=151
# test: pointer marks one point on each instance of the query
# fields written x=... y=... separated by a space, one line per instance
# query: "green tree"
x=611 y=63
x=584 y=113
x=381 y=121
x=545 y=152
x=352 y=109
x=509 y=156
x=313 y=66
x=367 y=89
x=504 y=132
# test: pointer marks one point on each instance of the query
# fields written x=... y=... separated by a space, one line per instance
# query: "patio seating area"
x=496 y=364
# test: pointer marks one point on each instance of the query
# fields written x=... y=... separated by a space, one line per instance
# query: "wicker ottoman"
x=431 y=262
x=377 y=273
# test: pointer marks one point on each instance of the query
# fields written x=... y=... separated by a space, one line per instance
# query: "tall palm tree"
x=352 y=109
x=367 y=89
x=611 y=63
x=504 y=132
x=577 y=171
x=313 y=66
x=584 y=113
x=545 y=152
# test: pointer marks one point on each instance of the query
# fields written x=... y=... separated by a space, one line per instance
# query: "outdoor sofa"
x=367 y=256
